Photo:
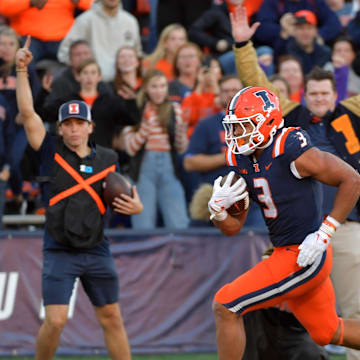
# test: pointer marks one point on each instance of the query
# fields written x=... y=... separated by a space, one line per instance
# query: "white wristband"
x=329 y=226
x=219 y=216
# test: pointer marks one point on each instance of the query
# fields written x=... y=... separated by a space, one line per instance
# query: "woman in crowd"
x=290 y=69
x=203 y=101
x=153 y=146
x=128 y=75
x=343 y=55
x=187 y=64
x=162 y=57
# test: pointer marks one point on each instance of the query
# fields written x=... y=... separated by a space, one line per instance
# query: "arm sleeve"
x=200 y=30
x=352 y=104
x=268 y=15
x=10 y=8
x=78 y=31
x=296 y=142
x=251 y=74
x=134 y=139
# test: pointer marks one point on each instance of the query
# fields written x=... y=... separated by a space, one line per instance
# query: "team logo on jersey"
x=243 y=171
x=256 y=167
x=74 y=108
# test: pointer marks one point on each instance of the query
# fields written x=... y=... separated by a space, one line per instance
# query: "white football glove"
x=316 y=243
x=226 y=195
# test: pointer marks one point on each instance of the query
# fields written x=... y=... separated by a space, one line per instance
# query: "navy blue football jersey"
x=291 y=205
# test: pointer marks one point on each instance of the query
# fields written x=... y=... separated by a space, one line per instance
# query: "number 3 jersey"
x=290 y=204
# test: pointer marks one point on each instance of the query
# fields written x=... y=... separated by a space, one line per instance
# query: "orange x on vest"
x=82 y=184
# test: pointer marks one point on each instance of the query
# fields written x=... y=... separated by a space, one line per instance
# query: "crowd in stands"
x=157 y=76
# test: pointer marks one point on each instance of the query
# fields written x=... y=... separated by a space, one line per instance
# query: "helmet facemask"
x=249 y=140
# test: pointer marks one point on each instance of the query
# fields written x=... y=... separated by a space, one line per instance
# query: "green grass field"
x=150 y=357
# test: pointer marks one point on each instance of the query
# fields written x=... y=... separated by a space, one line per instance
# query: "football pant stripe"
x=278 y=289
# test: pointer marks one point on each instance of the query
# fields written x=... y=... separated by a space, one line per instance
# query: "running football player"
x=281 y=169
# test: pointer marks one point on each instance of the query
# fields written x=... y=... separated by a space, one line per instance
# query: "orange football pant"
x=307 y=291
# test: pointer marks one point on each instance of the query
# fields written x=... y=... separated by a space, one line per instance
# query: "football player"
x=280 y=170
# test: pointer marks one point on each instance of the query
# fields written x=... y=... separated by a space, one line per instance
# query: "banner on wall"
x=167 y=284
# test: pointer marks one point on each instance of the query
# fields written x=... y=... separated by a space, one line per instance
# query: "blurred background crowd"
x=157 y=75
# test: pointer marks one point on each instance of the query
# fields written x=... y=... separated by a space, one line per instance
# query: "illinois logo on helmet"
x=252 y=118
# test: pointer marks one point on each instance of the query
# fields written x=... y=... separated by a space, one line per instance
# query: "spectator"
x=46 y=21
x=128 y=74
x=206 y=151
x=183 y=12
x=289 y=67
x=153 y=146
x=15 y=135
x=303 y=44
x=342 y=9
x=4 y=166
x=162 y=58
x=203 y=101
x=127 y=83
x=106 y=27
x=353 y=28
x=271 y=13
x=79 y=50
x=343 y=55
x=187 y=63
x=281 y=84
x=212 y=32
x=108 y=111
x=333 y=128
x=265 y=56
x=64 y=83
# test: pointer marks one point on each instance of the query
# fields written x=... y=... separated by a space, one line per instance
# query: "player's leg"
x=265 y=285
x=48 y=336
x=58 y=278
x=230 y=333
x=101 y=284
x=250 y=291
x=116 y=339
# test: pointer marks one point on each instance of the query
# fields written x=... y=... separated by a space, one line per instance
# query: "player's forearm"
x=231 y=225
x=346 y=198
x=23 y=95
x=204 y=163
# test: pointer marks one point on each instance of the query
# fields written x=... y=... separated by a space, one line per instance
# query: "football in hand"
x=239 y=206
x=114 y=185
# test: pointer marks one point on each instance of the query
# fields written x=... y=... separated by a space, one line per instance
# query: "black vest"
x=76 y=221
